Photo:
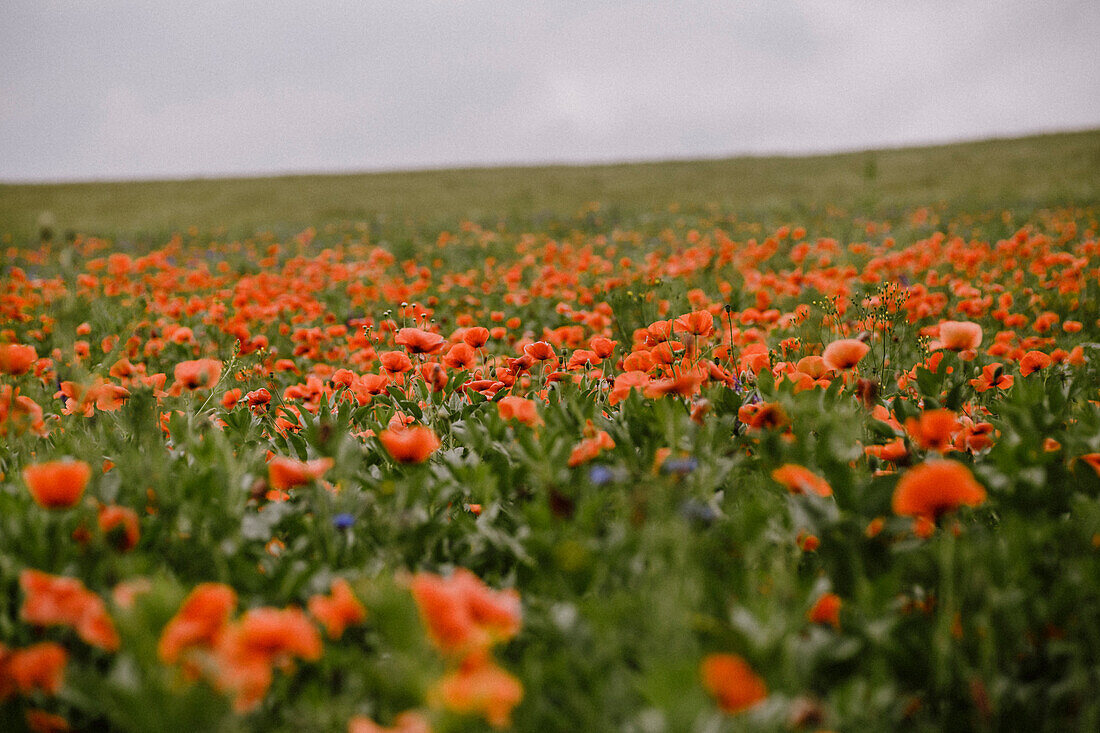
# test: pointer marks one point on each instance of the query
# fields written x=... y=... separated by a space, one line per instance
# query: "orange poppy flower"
x=57 y=484
x=40 y=721
x=685 y=384
x=199 y=621
x=626 y=382
x=1033 y=361
x=480 y=687
x=844 y=354
x=463 y=614
x=476 y=336
x=338 y=610
x=197 y=374
x=53 y=600
x=19 y=413
x=1093 y=460
x=395 y=362
x=762 y=415
x=698 y=323
x=248 y=650
x=934 y=429
x=959 y=336
x=419 y=341
x=590 y=447
x=518 y=408
x=935 y=488
x=826 y=610
x=125 y=521
x=732 y=682
x=409 y=445
x=258 y=399
x=285 y=473
x=406 y=722
x=460 y=356
x=893 y=451
x=993 y=377
x=37 y=667
x=540 y=351
x=16 y=359
x=801 y=480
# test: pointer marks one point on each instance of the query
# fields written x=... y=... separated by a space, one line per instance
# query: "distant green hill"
x=1025 y=173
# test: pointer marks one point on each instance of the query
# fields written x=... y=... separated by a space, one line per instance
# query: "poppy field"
x=694 y=473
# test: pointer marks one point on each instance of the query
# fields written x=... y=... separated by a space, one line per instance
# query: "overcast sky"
x=181 y=89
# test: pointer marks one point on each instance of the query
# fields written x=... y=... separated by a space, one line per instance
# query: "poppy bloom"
x=519 y=409
x=959 y=336
x=1093 y=460
x=419 y=341
x=801 y=480
x=591 y=447
x=338 y=610
x=285 y=473
x=844 y=354
x=460 y=356
x=406 y=722
x=602 y=346
x=462 y=614
x=19 y=413
x=934 y=429
x=57 y=484
x=122 y=520
x=258 y=399
x=395 y=362
x=685 y=384
x=993 y=377
x=626 y=382
x=1033 y=361
x=476 y=336
x=892 y=451
x=409 y=445
x=697 y=323
x=762 y=415
x=732 y=682
x=37 y=667
x=263 y=638
x=199 y=621
x=53 y=600
x=935 y=488
x=40 y=721
x=197 y=374
x=480 y=687
x=16 y=359
x=540 y=351
x=826 y=610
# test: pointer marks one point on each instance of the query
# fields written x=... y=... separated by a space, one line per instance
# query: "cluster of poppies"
x=864 y=408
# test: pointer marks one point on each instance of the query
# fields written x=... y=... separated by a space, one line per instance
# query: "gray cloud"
x=116 y=89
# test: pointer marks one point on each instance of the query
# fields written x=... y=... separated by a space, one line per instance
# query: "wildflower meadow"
x=686 y=471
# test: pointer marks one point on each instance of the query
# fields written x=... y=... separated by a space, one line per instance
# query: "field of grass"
x=1020 y=175
x=710 y=447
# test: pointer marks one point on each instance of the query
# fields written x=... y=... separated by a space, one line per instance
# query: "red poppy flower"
x=844 y=354
x=935 y=488
x=732 y=682
x=826 y=610
x=419 y=341
x=16 y=359
x=409 y=445
x=57 y=484
x=801 y=480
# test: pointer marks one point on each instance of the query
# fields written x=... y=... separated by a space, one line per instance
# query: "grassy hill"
x=1020 y=174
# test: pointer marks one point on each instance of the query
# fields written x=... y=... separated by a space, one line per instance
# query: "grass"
x=1021 y=174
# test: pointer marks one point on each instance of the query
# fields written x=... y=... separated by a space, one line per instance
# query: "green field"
x=1021 y=175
